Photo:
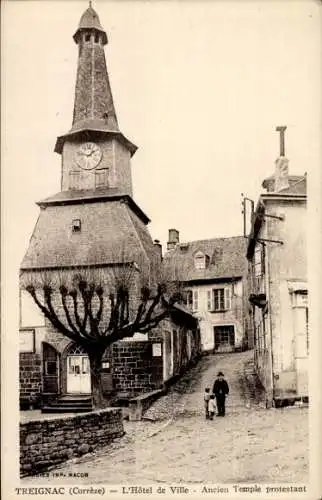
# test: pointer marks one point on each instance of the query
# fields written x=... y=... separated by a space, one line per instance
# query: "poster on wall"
x=27 y=341
x=156 y=350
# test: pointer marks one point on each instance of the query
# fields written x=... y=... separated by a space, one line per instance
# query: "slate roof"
x=90 y=20
x=81 y=194
x=91 y=196
x=227 y=259
x=110 y=233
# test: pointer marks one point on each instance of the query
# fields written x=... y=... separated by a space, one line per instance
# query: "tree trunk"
x=95 y=360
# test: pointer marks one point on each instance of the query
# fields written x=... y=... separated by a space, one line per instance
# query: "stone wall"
x=132 y=367
x=49 y=442
x=29 y=378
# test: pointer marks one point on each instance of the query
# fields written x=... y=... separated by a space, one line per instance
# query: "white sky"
x=198 y=86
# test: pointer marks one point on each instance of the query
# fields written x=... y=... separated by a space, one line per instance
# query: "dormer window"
x=201 y=260
x=76 y=226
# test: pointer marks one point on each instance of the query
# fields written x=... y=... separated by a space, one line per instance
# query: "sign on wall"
x=26 y=340
x=30 y=314
x=156 y=350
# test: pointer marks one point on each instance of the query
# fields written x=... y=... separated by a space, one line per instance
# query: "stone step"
x=74 y=402
x=66 y=409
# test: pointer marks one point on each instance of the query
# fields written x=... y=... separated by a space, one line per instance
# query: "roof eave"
x=93 y=28
x=213 y=279
x=286 y=196
x=74 y=201
x=74 y=134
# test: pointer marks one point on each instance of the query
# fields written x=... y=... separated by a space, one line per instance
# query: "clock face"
x=88 y=155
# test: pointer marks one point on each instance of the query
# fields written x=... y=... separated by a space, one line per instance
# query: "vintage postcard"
x=161 y=239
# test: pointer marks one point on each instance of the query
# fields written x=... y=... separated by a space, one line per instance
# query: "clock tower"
x=95 y=154
x=94 y=213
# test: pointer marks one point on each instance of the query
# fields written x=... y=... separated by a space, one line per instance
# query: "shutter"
x=227 y=298
x=209 y=301
x=195 y=300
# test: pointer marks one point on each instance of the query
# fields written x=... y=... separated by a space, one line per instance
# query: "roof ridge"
x=212 y=239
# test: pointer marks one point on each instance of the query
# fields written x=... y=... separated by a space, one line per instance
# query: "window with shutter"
x=209 y=300
x=219 y=299
x=101 y=177
x=195 y=300
x=188 y=299
x=74 y=180
x=227 y=298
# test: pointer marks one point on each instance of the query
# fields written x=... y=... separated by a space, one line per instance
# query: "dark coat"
x=220 y=388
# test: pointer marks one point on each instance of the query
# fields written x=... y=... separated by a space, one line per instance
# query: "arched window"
x=76 y=350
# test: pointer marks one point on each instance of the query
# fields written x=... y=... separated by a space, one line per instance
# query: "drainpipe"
x=270 y=403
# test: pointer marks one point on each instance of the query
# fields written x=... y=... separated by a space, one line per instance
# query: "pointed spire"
x=93 y=95
x=93 y=106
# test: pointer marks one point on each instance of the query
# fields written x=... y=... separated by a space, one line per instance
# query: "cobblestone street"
x=176 y=444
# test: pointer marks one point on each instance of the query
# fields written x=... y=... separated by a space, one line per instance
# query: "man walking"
x=220 y=390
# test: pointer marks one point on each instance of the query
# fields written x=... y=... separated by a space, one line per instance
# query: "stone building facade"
x=93 y=223
x=278 y=290
x=214 y=273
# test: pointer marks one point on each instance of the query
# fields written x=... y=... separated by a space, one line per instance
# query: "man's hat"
x=220 y=374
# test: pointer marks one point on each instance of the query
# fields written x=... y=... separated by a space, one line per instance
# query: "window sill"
x=218 y=310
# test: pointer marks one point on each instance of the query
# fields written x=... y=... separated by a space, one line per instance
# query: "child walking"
x=212 y=407
x=206 y=401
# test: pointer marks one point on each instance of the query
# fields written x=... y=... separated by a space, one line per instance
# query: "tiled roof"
x=227 y=259
x=108 y=235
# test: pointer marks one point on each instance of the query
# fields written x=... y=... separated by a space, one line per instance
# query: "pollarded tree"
x=95 y=307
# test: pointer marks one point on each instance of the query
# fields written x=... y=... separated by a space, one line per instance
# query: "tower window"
x=76 y=226
x=97 y=38
x=101 y=177
x=87 y=37
x=74 y=178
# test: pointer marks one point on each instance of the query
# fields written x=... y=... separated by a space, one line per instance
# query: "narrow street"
x=176 y=444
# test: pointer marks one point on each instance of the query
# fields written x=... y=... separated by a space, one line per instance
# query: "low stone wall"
x=138 y=405
x=51 y=441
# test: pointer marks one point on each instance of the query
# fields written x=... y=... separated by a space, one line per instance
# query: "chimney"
x=158 y=248
x=173 y=239
x=281 y=164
